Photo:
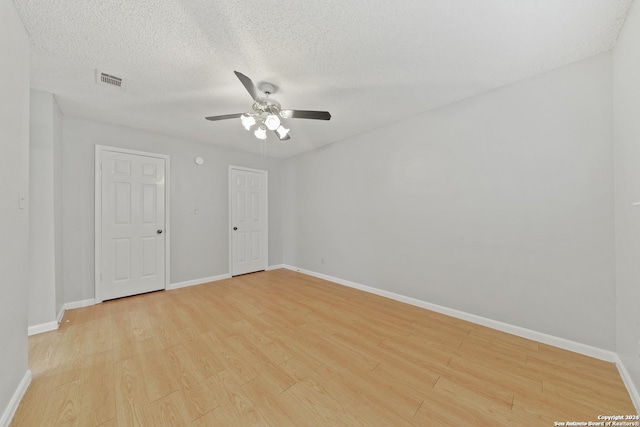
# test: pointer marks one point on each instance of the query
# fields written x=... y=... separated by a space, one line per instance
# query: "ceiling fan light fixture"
x=267 y=112
x=247 y=121
x=272 y=122
x=261 y=133
x=282 y=131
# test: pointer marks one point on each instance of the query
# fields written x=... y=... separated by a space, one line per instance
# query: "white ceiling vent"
x=108 y=79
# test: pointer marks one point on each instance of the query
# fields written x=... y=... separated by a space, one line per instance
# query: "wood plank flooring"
x=280 y=348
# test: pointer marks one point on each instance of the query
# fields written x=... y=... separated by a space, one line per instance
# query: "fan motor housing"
x=267 y=105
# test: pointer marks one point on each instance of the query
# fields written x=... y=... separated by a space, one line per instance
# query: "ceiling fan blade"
x=248 y=84
x=304 y=114
x=284 y=138
x=224 y=117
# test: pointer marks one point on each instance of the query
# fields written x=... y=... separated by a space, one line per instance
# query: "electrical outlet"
x=321 y=260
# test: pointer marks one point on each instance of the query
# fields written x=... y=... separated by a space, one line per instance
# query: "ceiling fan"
x=267 y=112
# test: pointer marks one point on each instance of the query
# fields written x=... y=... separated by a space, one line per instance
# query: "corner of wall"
x=626 y=131
x=628 y=382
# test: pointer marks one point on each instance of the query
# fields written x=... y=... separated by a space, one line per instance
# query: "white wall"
x=499 y=206
x=14 y=222
x=626 y=107
x=199 y=243
x=42 y=224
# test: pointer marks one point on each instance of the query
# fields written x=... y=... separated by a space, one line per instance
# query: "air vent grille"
x=111 y=80
x=108 y=79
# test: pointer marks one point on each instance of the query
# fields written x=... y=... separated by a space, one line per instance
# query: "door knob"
x=235 y=228
x=159 y=231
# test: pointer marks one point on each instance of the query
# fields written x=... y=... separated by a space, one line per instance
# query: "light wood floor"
x=283 y=349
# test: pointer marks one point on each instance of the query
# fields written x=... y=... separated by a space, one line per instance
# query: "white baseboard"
x=60 y=314
x=275 y=267
x=198 y=281
x=42 y=327
x=576 y=347
x=628 y=382
x=79 y=304
x=52 y=326
x=11 y=408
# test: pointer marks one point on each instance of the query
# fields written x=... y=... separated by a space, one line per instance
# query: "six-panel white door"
x=132 y=224
x=248 y=210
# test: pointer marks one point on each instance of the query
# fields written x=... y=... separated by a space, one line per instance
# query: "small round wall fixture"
x=199 y=161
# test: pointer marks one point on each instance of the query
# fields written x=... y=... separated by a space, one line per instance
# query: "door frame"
x=99 y=149
x=266 y=214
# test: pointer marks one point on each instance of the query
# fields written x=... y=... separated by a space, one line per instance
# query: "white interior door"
x=132 y=224
x=248 y=213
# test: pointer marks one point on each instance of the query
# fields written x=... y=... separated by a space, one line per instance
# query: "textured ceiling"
x=369 y=63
